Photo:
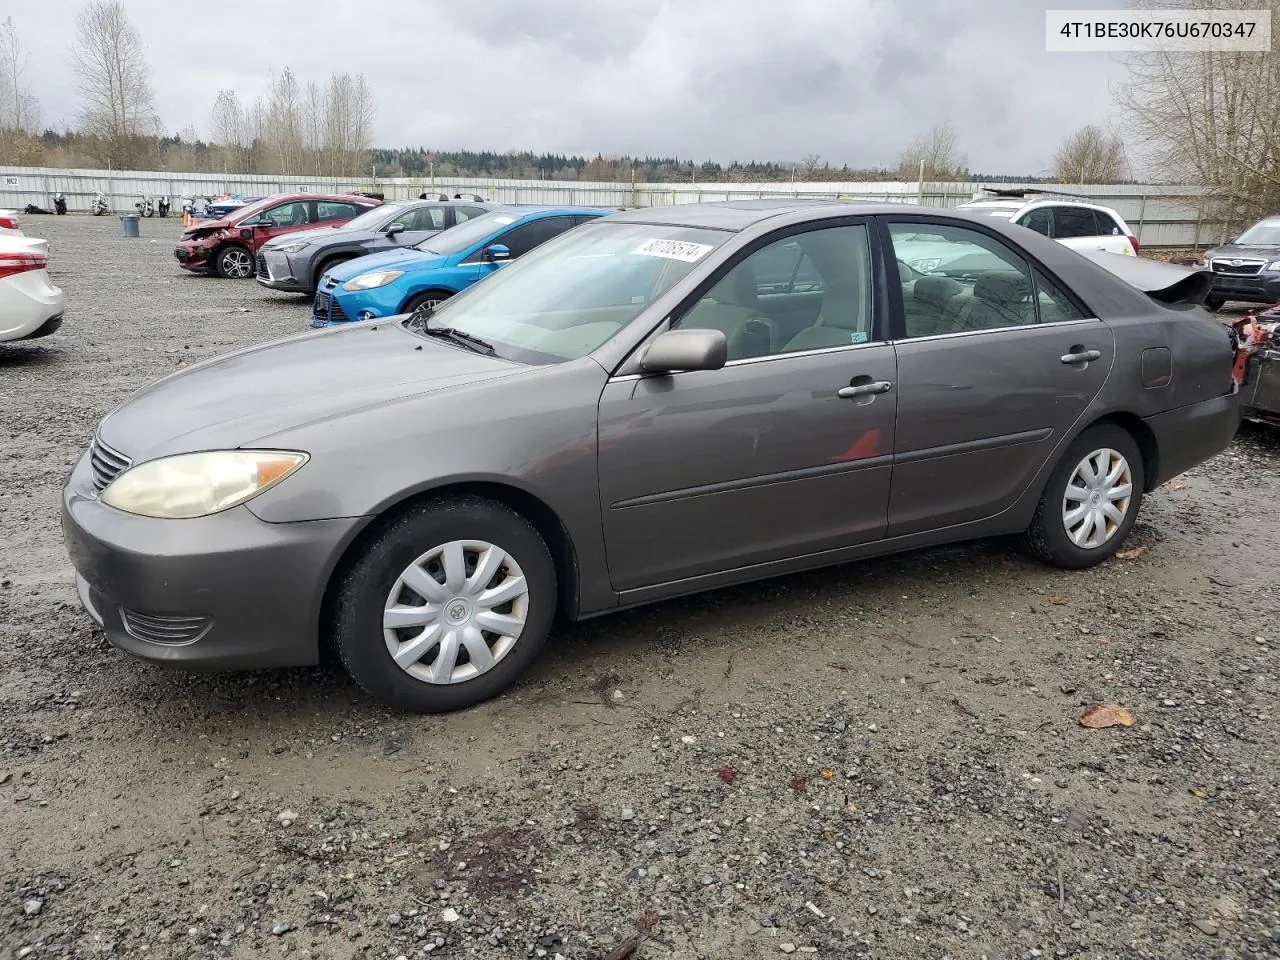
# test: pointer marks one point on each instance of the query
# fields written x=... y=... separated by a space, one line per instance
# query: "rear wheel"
x=446 y=606
x=1091 y=501
x=425 y=301
x=1214 y=303
x=234 y=262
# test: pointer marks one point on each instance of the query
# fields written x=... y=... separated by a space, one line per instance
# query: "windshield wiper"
x=460 y=337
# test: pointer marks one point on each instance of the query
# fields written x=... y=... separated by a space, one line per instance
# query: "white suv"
x=1074 y=223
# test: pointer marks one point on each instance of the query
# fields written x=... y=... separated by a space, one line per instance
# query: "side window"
x=525 y=237
x=838 y=260
x=1040 y=220
x=1053 y=304
x=971 y=282
x=293 y=214
x=466 y=213
x=327 y=210
x=426 y=218
x=1107 y=224
x=1071 y=222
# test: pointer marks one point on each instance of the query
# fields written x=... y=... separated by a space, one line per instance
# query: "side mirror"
x=497 y=251
x=685 y=350
x=394 y=229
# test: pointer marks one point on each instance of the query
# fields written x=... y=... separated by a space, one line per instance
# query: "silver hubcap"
x=455 y=612
x=426 y=306
x=237 y=263
x=1097 y=498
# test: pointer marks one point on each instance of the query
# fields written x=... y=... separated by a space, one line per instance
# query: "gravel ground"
x=880 y=760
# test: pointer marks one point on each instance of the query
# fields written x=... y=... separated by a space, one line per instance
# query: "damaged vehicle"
x=639 y=409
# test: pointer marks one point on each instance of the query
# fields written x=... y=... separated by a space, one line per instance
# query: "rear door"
x=996 y=362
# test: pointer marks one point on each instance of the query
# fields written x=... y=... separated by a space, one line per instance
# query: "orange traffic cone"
x=186 y=218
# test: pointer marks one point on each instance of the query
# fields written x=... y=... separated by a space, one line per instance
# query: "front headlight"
x=1274 y=265
x=292 y=247
x=197 y=484
x=367 y=281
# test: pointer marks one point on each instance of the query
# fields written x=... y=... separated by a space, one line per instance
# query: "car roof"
x=536 y=211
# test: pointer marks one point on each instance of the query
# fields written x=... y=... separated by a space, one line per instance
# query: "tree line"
x=1202 y=118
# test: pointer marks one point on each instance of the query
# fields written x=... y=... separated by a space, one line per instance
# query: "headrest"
x=842 y=306
x=738 y=289
x=1007 y=287
x=936 y=290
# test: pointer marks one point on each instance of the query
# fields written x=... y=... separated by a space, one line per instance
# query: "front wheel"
x=446 y=606
x=234 y=262
x=1091 y=501
x=426 y=301
x=1214 y=303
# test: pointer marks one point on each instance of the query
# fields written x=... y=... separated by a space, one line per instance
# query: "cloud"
x=850 y=80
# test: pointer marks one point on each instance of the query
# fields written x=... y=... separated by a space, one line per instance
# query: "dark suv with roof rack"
x=1247 y=268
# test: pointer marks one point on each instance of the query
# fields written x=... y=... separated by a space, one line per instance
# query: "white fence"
x=1162 y=216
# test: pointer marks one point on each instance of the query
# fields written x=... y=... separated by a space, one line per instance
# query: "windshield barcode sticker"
x=674 y=250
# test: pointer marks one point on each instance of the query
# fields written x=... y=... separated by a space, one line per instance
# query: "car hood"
x=206 y=227
x=402 y=258
x=316 y=234
x=240 y=398
x=1231 y=251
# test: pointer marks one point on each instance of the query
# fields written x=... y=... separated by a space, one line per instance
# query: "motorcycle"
x=100 y=205
x=162 y=206
x=145 y=207
x=31 y=209
x=59 y=204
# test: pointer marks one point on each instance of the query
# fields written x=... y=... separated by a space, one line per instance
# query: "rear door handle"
x=1083 y=356
x=864 y=389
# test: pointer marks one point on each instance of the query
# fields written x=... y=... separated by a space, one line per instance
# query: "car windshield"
x=1265 y=233
x=569 y=296
x=372 y=219
x=457 y=239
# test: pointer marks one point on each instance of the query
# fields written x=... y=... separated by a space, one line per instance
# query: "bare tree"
x=808 y=165
x=940 y=154
x=1090 y=155
x=113 y=79
x=227 y=125
x=284 y=120
x=1210 y=118
x=19 y=110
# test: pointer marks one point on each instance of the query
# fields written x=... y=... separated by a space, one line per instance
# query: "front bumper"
x=1262 y=288
x=29 y=306
x=277 y=271
x=195 y=258
x=1188 y=436
x=333 y=306
x=227 y=591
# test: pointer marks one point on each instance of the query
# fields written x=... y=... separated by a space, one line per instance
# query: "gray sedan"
x=661 y=402
x=295 y=261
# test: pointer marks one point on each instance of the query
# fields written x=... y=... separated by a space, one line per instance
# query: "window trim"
x=743 y=361
x=898 y=303
x=628 y=368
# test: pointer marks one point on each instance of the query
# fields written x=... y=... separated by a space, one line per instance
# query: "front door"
x=785 y=451
x=995 y=364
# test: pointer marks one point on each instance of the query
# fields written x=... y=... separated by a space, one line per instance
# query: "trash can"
x=130 y=221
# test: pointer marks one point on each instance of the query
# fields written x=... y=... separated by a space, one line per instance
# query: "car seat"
x=841 y=320
x=733 y=308
x=999 y=300
x=932 y=306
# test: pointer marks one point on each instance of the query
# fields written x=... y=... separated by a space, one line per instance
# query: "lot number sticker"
x=674 y=250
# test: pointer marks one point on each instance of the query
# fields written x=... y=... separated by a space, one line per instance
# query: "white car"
x=9 y=222
x=30 y=306
x=1074 y=223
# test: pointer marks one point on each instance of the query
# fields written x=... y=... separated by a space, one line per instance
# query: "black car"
x=1248 y=267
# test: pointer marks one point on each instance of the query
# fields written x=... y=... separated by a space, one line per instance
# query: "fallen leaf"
x=1059 y=601
x=828 y=774
x=1179 y=486
x=1133 y=554
x=798 y=782
x=1106 y=715
x=1196 y=792
x=650 y=919
x=727 y=774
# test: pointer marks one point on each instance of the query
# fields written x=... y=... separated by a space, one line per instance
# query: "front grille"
x=325 y=307
x=182 y=254
x=1239 y=268
x=261 y=263
x=163 y=628
x=106 y=463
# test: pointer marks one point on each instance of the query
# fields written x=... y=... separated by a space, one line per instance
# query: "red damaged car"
x=227 y=247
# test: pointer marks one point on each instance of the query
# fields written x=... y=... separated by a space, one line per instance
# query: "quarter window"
x=810 y=291
x=327 y=210
x=1040 y=220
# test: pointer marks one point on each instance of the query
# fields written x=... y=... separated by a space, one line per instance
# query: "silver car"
x=659 y=402
x=295 y=261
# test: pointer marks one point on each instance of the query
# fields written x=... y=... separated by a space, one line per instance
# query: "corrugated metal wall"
x=1162 y=216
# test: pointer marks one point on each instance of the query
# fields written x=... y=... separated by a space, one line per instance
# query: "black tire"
x=361 y=593
x=324 y=268
x=222 y=262
x=419 y=300
x=1214 y=304
x=1047 y=537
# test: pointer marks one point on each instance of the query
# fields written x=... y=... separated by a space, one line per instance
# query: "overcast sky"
x=850 y=80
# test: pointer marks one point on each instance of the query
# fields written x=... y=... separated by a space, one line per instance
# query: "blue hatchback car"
x=411 y=278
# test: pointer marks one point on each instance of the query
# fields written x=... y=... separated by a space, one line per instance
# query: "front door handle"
x=864 y=389
x=1080 y=355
